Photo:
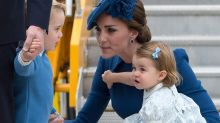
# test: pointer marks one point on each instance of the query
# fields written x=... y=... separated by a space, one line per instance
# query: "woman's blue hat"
x=116 y=8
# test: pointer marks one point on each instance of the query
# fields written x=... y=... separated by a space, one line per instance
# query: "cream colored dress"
x=165 y=105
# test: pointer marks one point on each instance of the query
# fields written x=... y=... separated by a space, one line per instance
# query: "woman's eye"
x=111 y=30
x=97 y=29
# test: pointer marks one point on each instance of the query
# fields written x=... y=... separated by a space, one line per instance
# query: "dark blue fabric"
x=6 y=77
x=116 y=8
x=13 y=18
x=100 y=8
x=127 y=100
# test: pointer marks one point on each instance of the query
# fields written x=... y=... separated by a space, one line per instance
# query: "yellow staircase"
x=67 y=58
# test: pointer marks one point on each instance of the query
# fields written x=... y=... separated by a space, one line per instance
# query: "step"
x=182 y=10
x=110 y=115
x=183 y=19
x=209 y=77
x=195 y=46
x=181 y=2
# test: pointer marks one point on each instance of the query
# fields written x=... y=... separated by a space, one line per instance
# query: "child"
x=154 y=70
x=33 y=74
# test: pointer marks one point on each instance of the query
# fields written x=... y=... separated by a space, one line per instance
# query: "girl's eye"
x=142 y=69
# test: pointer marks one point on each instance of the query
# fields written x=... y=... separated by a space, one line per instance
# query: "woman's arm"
x=192 y=87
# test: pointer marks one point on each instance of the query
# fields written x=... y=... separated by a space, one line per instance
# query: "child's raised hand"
x=56 y=118
x=34 y=49
x=107 y=78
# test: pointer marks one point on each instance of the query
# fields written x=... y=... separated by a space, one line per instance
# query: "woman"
x=122 y=28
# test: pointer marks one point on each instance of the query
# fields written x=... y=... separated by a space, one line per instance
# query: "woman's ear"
x=134 y=34
x=162 y=75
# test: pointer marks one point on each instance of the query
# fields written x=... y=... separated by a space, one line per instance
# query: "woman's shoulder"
x=180 y=55
x=109 y=62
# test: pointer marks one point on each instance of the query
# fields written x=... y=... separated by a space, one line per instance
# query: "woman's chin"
x=106 y=56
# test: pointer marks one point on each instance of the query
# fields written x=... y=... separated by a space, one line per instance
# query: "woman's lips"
x=103 y=47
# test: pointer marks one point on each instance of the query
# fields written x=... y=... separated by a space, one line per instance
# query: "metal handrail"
x=78 y=8
x=179 y=10
x=187 y=40
x=69 y=8
x=79 y=91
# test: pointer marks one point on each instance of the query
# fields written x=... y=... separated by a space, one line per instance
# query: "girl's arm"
x=123 y=77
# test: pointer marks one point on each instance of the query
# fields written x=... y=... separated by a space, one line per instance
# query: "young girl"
x=33 y=74
x=154 y=70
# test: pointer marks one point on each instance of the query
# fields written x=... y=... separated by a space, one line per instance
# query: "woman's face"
x=113 y=36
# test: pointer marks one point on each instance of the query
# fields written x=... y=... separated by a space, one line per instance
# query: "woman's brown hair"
x=139 y=23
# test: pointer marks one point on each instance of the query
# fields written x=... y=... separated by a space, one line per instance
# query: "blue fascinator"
x=116 y=8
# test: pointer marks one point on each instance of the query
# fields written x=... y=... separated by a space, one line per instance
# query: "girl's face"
x=144 y=74
x=113 y=36
x=54 y=30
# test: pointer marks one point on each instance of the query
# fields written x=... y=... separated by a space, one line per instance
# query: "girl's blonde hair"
x=165 y=60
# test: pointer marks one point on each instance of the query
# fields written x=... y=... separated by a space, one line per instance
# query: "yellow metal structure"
x=68 y=56
x=77 y=45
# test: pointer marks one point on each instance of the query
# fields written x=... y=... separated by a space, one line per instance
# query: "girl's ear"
x=162 y=75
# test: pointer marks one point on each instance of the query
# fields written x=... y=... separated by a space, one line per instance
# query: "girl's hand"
x=107 y=78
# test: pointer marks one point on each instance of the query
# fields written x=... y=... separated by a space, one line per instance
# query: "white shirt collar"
x=153 y=89
x=41 y=53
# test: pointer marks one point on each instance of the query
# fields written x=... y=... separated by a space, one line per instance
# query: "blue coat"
x=127 y=100
x=33 y=90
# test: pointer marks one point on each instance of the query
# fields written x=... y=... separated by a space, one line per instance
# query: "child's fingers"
x=35 y=40
x=34 y=46
x=52 y=118
x=60 y=120
x=56 y=118
x=32 y=50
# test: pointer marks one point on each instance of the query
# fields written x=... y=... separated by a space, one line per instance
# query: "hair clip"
x=155 y=53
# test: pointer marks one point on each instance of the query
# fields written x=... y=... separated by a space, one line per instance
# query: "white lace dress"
x=165 y=105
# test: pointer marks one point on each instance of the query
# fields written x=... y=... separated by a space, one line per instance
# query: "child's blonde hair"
x=56 y=6
x=165 y=60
